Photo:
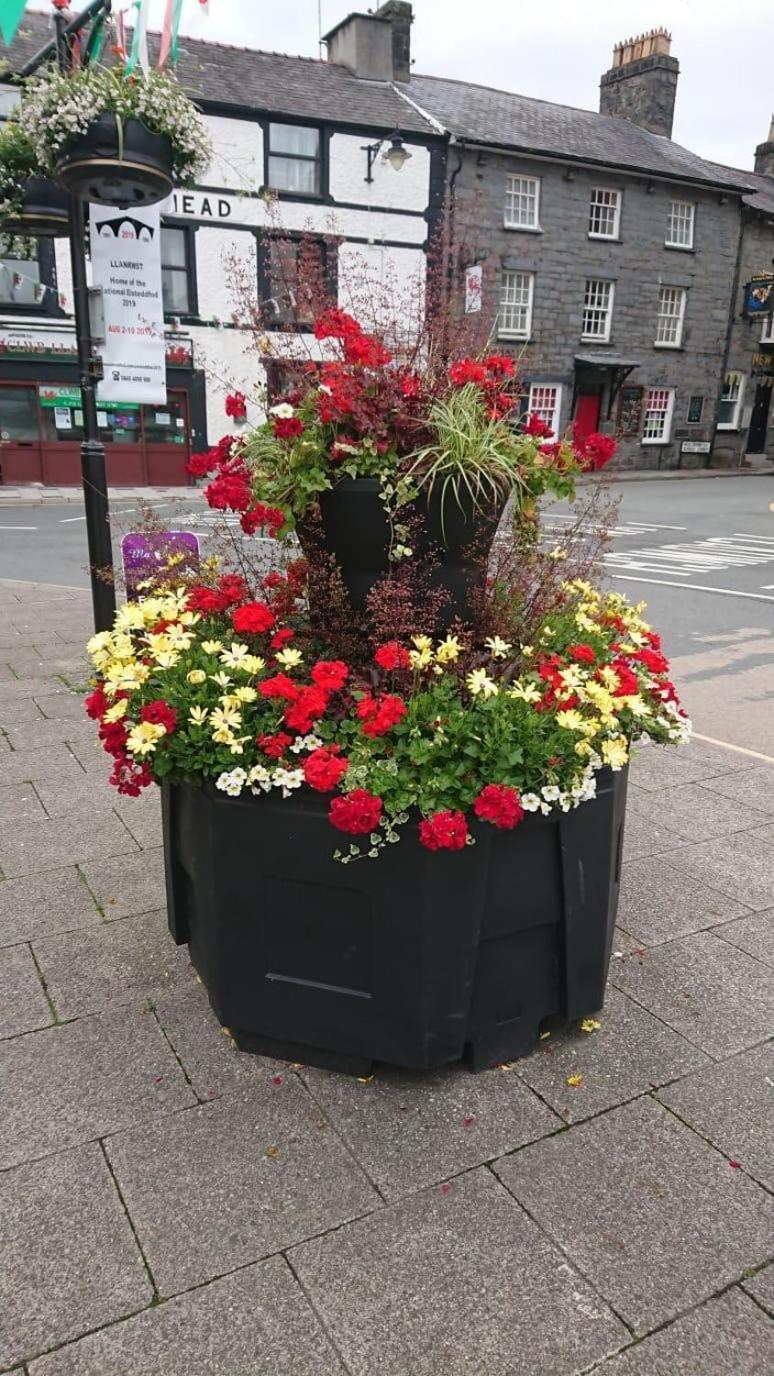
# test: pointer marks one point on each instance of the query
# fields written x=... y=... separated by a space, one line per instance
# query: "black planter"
x=414 y=959
x=454 y=537
x=108 y=169
x=44 y=212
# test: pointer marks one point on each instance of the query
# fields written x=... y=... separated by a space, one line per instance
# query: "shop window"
x=297 y=278
x=659 y=406
x=597 y=310
x=18 y=415
x=679 y=230
x=767 y=330
x=165 y=424
x=545 y=402
x=669 y=321
x=293 y=159
x=516 y=296
x=731 y=401
x=604 y=213
x=178 y=270
x=28 y=283
x=522 y=203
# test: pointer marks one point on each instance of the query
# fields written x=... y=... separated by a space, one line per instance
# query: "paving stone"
x=128 y=884
x=53 y=761
x=84 y=793
x=252 y=1323
x=69 y=1084
x=65 y=706
x=410 y=1130
x=742 y=867
x=653 y=1216
x=629 y=1054
x=31 y=735
x=753 y=934
x=32 y=664
x=656 y=768
x=205 y=1050
x=206 y=1198
x=68 y=1260
x=13 y=689
x=728 y=1336
x=452 y=1283
x=696 y=813
x=762 y=1287
x=61 y=841
x=643 y=837
x=40 y=904
x=114 y=963
x=623 y=943
x=658 y=902
x=142 y=817
x=733 y=1106
x=750 y=788
x=19 y=803
x=23 y=1004
x=715 y=995
x=19 y=711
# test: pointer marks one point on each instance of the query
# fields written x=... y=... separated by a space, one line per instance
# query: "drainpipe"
x=730 y=330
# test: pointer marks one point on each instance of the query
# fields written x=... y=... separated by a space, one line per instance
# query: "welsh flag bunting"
x=11 y=12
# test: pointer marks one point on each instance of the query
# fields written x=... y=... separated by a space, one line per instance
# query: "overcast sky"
x=725 y=97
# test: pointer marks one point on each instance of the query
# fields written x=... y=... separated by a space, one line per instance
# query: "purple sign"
x=158 y=558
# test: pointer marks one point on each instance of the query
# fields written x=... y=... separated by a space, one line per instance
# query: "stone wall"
x=748 y=355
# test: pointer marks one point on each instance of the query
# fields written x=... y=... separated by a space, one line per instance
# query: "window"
x=679 y=232
x=658 y=416
x=604 y=213
x=767 y=330
x=293 y=159
x=9 y=100
x=522 y=203
x=669 y=321
x=515 y=317
x=695 y=409
x=731 y=401
x=20 y=283
x=297 y=278
x=545 y=401
x=178 y=279
x=597 y=309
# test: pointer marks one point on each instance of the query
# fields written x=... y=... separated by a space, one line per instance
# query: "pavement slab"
x=31 y=735
x=751 y=788
x=142 y=817
x=225 y=1184
x=410 y=1130
x=39 y=905
x=455 y=1280
x=64 y=707
x=19 y=803
x=653 y=1216
x=114 y=963
x=728 y=1336
x=658 y=902
x=714 y=994
x=753 y=934
x=23 y=1003
x=128 y=884
x=205 y=1050
x=68 y=1260
x=696 y=813
x=732 y=1105
x=628 y=1055
x=50 y=762
x=69 y=1084
x=742 y=867
x=761 y=1286
x=61 y=796
x=252 y=1323
x=654 y=768
x=54 y=843
x=642 y=837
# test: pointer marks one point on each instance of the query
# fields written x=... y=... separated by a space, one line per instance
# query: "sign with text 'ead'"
x=126 y=264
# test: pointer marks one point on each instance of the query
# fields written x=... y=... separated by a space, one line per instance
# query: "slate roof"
x=265 y=82
x=482 y=114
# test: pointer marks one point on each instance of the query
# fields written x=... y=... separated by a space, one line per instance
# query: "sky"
x=725 y=97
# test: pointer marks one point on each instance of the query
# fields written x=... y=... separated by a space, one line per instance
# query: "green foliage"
x=469 y=451
x=18 y=162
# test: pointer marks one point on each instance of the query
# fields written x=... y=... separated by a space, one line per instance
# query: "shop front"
x=41 y=421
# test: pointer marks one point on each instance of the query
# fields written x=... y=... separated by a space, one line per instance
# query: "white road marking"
x=18 y=527
x=695 y=587
x=708 y=555
x=740 y=749
x=67 y=520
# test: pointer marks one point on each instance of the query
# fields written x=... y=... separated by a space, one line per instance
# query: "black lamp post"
x=95 y=494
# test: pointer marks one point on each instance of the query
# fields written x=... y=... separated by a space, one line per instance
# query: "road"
x=700 y=552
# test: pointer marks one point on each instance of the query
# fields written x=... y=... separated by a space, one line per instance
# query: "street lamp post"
x=93 y=472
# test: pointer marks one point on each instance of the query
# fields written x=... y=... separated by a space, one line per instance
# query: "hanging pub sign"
x=759 y=295
x=762 y=365
x=629 y=411
x=126 y=265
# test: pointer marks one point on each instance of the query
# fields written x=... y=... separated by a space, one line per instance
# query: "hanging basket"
x=118 y=163
x=44 y=212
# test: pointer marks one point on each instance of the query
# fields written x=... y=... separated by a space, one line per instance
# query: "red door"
x=167 y=440
x=21 y=455
x=587 y=410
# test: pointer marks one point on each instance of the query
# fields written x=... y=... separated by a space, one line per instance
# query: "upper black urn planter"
x=44 y=212
x=452 y=538
x=416 y=959
x=117 y=163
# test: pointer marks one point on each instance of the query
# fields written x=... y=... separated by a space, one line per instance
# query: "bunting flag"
x=11 y=12
x=139 y=53
x=170 y=32
x=121 y=33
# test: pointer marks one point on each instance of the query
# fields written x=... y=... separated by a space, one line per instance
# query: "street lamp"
x=396 y=155
x=93 y=473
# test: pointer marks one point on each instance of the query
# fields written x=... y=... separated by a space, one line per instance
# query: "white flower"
x=530 y=802
x=231 y=782
x=287 y=780
x=550 y=792
x=259 y=779
x=305 y=743
x=283 y=410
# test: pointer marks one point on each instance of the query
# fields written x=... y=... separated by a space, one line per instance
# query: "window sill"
x=675 y=348
x=729 y=429
x=680 y=248
x=595 y=339
x=605 y=238
x=514 y=338
x=523 y=229
x=652 y=444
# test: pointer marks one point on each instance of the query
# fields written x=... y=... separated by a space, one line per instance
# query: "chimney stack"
x=641 y=85
x=374 y=46
x=764 y=154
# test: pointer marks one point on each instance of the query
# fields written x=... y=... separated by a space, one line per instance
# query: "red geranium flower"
x=335 y=324
x=280 y=638
x=356 y=813
x=378 y=715
x=628 y=684
x=287 y=427
x=466 y=370
x=391 y=656
x=583 y=653
x=96 y=704
x=114 y=736
x=130 y=776
x=160 y=714
x=309 y=705
x=444 y=831
x=330 y=674
x=535 y=426
x=653 y=660
x=276 y=745
x=236 y=405
x=253 y=618
x=499 y=804
x=324 y=770
x=280 y=686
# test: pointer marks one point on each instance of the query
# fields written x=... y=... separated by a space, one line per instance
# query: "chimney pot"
x=642 y=82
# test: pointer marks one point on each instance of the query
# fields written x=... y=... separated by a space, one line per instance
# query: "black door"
x=756 y=438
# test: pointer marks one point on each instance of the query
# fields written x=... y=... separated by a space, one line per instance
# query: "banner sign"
x=474 y=283
x=57 y=397
x=158 y=557
x=126 y=264
x=759 y=295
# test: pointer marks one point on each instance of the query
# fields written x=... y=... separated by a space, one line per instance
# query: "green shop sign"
x=55 y=397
